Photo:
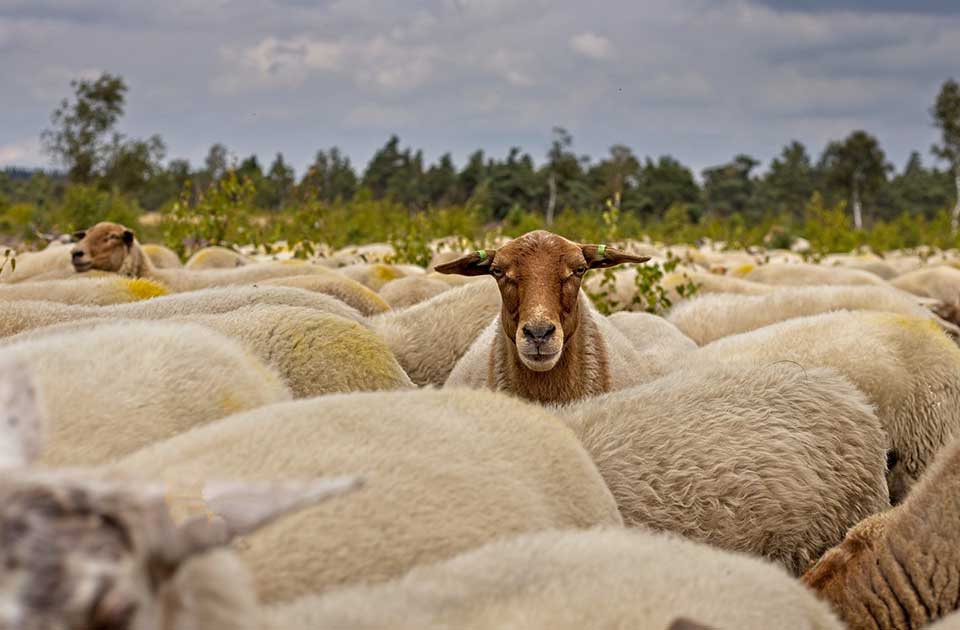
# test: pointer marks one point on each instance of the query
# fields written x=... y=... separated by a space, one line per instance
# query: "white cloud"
x=592 y=45
x=25 y=152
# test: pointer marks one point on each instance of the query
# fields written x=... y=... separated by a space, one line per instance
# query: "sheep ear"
x=473 y=264
x=239 y=508
x=600 y=256
x=21 y=416
x=127 y=237
x=79 y=235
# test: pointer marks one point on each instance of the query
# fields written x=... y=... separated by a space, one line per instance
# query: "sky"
x=702 y=80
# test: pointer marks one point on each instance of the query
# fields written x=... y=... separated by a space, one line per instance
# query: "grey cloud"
x=866 y=6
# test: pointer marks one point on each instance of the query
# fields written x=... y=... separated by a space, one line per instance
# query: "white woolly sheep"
x=29 y=265
x=899 y=569
x=710 y=317
x=315 y=353
x=548 y=344
x=113 y=248
x=162 y=257
x=85 y=552
x=950 y=622
x=114 y=389
x=22 y=416
x=939 y=283
x=569 y=580
x=375 y=275
x=428 y=339
x=793 y=274
x=84 y=291
x=351 y=292
x=873 y=264
x=19 y=316
x=406 y=292
x=908 y=368
x=447 y=471
x=216 y=258
x=659 y=344
x=775 y=460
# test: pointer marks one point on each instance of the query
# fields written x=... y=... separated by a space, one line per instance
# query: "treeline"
x=105 y=172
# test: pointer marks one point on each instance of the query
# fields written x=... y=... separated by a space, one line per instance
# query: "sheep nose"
x=539 y=332
x=77 y=253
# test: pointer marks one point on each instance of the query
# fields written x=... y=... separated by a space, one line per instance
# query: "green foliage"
x=649 y=294
x=221 y=216
x=85 y=205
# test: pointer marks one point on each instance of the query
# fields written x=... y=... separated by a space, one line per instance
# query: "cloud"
x=865 y=6
x=592 y=45
x=24 y=152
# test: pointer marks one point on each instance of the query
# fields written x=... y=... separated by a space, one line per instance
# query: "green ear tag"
x=601 y=250
x=482 y=253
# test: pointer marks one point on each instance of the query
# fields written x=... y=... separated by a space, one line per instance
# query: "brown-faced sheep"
x=113 y=248
x=899 y=569
x=428 y=339
x=548 y=344
x=447 y=471
x=772 y=460
x=908 y=368
x=569 y=580
x=114 y=389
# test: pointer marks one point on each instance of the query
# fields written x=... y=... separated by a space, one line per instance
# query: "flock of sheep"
x=239 y=443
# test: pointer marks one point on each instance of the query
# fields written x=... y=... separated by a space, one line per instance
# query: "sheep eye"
x=497 y=272
x=580 y=271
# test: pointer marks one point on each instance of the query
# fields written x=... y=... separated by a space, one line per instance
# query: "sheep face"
x=539 y=276
x=105 y=246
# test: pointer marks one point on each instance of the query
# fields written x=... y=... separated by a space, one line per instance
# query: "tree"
x=278 y=184
x=728 y=188
x=664 y=183
x=217 y=162
x=919 y=190
x=565 y=175
x=440 y=181
x=384 y=164
x=616 y=177
x=132 y=164
x=858 y=166
x=946 y=116
x=788 y=184
x=81 y=129
x=329 y=178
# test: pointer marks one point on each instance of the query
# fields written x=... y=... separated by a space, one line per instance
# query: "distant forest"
x=83 y=140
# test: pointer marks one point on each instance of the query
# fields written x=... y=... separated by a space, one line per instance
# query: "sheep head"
x=84 y=553
x=539 y=276
x=106 y=247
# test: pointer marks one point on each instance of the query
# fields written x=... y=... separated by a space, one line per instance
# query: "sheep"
x=84 y=291
x=908 y=368
x=315 y=353
x=771 y=460
x=29 y=265
x=547 y=344
x=22 y=415
x=405 y=292
x=81 y=551
x=659 y=343
x=428 y=339
x=447 y=470
x=113 y=248
x=19 y=316
x=344 y=289
x=216 y=258
x=710 y=317
x=793 y=274
x=375 y=275
x=114 y=389
x=568 y=580
x=899 y=568
x=940 y=283
x=950 y=622
x=162 y=257
x=873 y=264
